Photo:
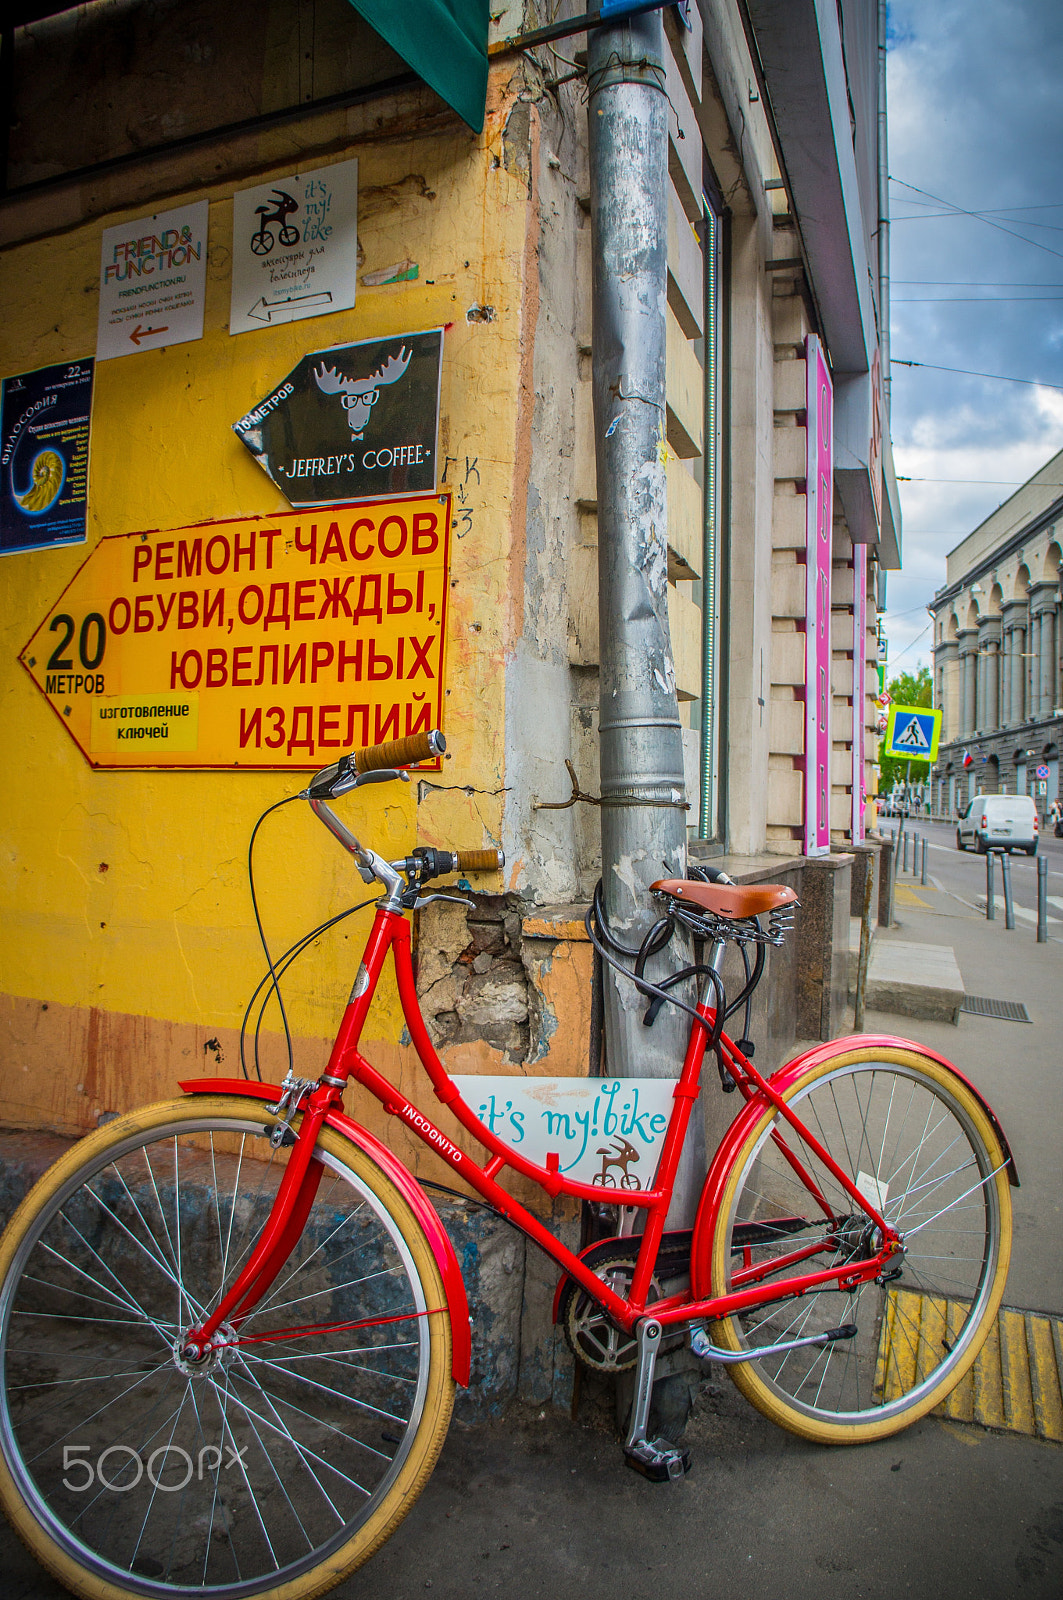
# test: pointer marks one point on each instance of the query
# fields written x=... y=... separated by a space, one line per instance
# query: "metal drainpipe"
x=642 y=785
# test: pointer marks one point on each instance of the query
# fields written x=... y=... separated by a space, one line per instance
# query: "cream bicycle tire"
x=919 y=1332
x=122 y=1256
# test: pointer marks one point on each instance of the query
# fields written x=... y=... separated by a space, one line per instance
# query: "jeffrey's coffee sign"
x=357 y=422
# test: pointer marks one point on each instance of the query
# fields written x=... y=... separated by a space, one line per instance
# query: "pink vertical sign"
x=818 y=522
x=859 y=684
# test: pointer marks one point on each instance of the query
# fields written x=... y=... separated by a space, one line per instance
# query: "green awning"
x=444 y=41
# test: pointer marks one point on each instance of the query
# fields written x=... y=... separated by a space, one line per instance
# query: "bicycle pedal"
x=658 y=1460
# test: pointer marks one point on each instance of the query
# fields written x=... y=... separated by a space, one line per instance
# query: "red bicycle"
x=231 y=1325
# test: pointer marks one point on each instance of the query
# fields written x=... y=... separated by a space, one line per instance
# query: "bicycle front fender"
x=408 y=1187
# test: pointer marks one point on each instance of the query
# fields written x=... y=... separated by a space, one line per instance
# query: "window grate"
x=1006 y=1010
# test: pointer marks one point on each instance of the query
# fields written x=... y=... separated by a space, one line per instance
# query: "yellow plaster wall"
x=123 y=896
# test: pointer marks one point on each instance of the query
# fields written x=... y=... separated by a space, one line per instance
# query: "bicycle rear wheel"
x=916 y=1142
x=285 y=1462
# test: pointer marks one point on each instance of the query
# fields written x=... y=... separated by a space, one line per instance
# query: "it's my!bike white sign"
x=604 y=1131
x=295 y=247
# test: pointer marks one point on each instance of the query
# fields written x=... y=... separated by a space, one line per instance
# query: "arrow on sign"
x=139 y=333
x=269 y=306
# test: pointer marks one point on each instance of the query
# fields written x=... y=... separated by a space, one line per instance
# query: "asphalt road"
x=963 y=872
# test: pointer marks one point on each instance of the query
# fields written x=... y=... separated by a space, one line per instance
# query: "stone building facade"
x=129 y=948
x=997 y=643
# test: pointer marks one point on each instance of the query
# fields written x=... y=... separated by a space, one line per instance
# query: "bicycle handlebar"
x=399 y=752
x=479 y=860
x=360 y=765
x=436 y=863
x=377 y=763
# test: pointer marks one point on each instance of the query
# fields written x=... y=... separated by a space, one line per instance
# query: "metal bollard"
x=915 y=854
x=904 y=862
x=922 y=876
x=1042 y=900
x=1009 y=908
x=990 y=904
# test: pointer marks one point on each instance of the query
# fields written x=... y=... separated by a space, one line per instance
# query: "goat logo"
x=360 y=395
x=622 y=1154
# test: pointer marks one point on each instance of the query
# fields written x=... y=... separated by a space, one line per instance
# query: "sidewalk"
x=1018 y=1066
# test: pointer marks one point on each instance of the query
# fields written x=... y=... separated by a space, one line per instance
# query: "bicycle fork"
x=295 y=1196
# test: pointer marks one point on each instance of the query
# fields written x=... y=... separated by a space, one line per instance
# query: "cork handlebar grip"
x=479 y=860
x=400 y=752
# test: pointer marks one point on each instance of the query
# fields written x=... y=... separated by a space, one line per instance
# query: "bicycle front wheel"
x=918 y=1145
x=297 y=1448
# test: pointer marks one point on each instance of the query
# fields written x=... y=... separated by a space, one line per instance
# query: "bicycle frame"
x=390 y=935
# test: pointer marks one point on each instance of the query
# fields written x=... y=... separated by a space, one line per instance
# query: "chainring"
x=591 y=1334
x=594 y=1338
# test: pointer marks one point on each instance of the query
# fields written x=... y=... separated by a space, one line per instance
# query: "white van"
x=999 y=822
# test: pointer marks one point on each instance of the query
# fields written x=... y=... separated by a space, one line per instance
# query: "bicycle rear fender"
x=412 y=1193
x=782 y=1081
x=881 y=1041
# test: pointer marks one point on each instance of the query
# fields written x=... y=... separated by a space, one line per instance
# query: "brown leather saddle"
x=737 y=901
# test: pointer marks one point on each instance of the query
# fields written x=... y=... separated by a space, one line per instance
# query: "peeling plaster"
x=625 y=871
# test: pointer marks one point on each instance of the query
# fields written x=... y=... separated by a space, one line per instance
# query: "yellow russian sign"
x=262 y=642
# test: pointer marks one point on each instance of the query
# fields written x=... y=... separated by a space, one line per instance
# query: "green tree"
x=906 y=689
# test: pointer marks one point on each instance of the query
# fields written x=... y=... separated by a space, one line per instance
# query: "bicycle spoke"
x=898 y=1126
x=335 y=1394
x=216 y=1484
x=278 y=1288
x=255 y=1467
x=284 y=1433
x=280 y=1482
x=981 y=1184
x=328 y=1427
x=253 y=1497
x=316 y=1294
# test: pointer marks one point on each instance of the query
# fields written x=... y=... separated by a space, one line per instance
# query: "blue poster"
x=44 y=457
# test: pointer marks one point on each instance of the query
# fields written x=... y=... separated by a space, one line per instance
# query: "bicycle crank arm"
x=703 y=1347
x=657 y=1459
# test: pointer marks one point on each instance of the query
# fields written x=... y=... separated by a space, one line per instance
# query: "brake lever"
x=341 y=778
x=380 y=775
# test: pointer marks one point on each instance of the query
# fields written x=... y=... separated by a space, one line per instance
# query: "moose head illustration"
x=360 y=395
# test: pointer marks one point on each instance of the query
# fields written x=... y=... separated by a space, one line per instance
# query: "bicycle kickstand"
x=657 y=1459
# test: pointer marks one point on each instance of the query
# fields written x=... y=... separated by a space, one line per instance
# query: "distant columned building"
x=997 y=640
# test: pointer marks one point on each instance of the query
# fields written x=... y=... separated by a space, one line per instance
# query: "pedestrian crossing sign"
x=912 y=732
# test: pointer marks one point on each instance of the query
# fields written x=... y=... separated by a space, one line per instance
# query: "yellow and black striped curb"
x=1015 y=1383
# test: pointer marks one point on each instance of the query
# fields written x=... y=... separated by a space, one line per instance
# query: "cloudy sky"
x=976 y=196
